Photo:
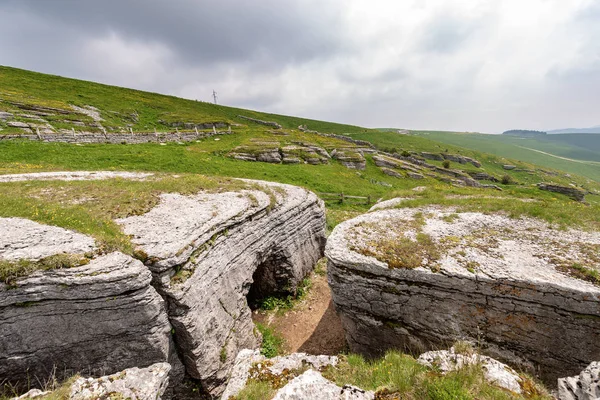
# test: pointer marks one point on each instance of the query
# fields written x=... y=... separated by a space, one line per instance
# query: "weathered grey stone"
x=240 y=372
x=350 y=158
x=312 y=385
x=482 y=176
x=277 y=366
x=17 y=124
x=25 y=239
x=494 y=371
x=98 y=318
x=272 y=157
x=500 y=284
x=387 y=162
x=509 y=167
x=67 y=136
x=5 y=115
x=148 y=383
x=461 y=159
x=432 y=156
x=291 y=160
x=585 y=386
x=414 y=175
x=32 y=394
x=391 y=172
x=572 y=192
x=258 y=121
x=209 y=251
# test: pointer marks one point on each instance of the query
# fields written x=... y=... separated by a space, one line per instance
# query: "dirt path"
x=312 y=326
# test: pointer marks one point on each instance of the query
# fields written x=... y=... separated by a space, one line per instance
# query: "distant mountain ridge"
x=593 y=129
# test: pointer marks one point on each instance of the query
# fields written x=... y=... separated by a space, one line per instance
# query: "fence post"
x=368 y=199
x=342 y=198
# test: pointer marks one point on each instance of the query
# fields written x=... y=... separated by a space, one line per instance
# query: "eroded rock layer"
x=97 y=318
x=209 y=252
x=420 y=279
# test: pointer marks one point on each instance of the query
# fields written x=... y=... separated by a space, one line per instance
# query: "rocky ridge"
x=506 y=283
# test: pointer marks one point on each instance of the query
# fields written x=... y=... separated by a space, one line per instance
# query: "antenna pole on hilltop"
x=215 y=96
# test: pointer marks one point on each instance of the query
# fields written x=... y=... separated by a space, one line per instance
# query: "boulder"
x=482 y=176
x=213 y=253
x=391 y=172
x=572 y=192
x=509 y=167
x=585 y=386
x=432 y=156
x=461 y=159
x=417 y=279
x=133 y=383
x=312 y=385
x=387 y=162
x=415 y=175
x=250 y=364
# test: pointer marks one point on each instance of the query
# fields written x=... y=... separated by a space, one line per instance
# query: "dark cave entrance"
x=273 y=278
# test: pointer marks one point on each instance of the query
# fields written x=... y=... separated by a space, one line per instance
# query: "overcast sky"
x=468 y=65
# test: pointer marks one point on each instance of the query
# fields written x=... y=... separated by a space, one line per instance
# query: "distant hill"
x=593 y=129
x=524 y=133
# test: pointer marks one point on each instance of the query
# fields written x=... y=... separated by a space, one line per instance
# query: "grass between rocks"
x=399 y=376
x=58 y=390
x=272 y=344
x=10 y=271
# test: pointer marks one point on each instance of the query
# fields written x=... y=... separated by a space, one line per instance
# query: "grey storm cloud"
x=442 y=64
x=200 y=31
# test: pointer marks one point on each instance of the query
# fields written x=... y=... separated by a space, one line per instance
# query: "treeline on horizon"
x=524 y=132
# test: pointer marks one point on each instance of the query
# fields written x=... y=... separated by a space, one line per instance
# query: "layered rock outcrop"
x=419 y=279
x=209 y=252
x=100 y=317
x=208 y=255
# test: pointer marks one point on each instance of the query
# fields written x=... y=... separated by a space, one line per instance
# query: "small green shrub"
x=272 y=343
x=446 y=164
x=507 y=179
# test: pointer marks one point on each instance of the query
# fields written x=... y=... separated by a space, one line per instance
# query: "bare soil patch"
x=312 y=326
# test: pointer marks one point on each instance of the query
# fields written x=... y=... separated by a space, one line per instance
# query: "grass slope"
x=121 y=107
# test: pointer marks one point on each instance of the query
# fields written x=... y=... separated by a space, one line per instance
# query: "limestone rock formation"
x=572 y=192
x=419 y=278
x=585 y=386
x=209 y=252
x=25 y=239
x=312 y=385
x=494 y=371
x=350 y=158
x=208 y=255
x=251 y=364
x=133 y=383
x=103 y=316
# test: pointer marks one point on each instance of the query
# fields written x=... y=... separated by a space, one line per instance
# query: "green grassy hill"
x=212 y=156
x=123 y=108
